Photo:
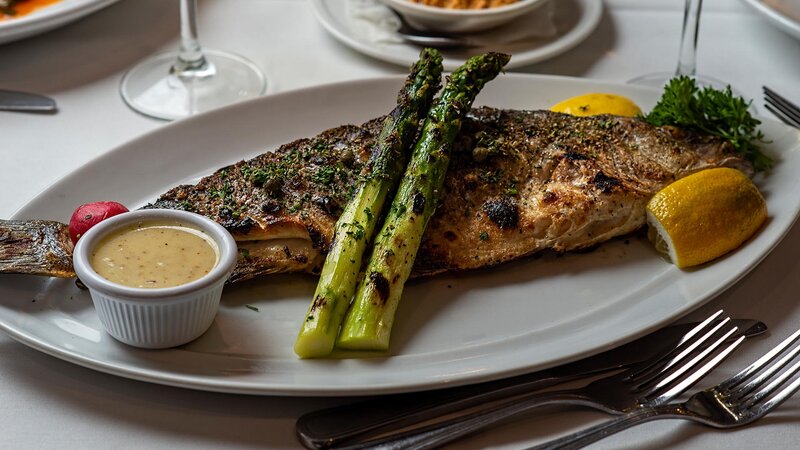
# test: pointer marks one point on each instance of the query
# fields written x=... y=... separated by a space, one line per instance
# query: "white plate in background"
x=784 y=14
x=48 y=17
x=574 y=20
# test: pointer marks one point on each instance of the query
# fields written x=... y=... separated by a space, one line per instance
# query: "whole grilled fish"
x=519 y=182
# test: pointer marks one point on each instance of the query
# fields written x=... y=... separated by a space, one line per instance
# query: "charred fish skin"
x=35 y=247
x=528 y=181
x=519 y=182
x=281 y=206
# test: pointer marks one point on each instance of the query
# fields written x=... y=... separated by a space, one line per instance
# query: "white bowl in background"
x=156 y=317
x=444 y=20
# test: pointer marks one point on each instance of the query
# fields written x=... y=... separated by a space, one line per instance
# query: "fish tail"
x=35 y=247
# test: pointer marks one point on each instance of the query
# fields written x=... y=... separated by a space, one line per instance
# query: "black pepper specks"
x=575 y=156
x=271 y=207
x=317 y=239
x=418 y=203
x=327 y=204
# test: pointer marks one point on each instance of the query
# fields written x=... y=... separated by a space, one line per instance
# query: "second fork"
x=740 y=400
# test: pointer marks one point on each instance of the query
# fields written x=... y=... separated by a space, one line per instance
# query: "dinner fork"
x=652 y=382
x=739 y=400
x=783 y=109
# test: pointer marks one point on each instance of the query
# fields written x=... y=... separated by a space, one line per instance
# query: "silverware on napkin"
x=24 y=101
x=356 y=422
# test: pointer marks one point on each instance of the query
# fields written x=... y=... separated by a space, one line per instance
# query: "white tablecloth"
x=48 y=403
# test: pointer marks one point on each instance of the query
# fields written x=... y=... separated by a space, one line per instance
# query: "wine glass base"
x=152 y=89
x=660 y=79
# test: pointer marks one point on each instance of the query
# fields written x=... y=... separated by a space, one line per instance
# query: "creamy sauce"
x=155 y=254
x=24 y=7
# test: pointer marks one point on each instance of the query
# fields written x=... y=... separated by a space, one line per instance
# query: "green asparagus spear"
x=358 y=222
x=369 y=320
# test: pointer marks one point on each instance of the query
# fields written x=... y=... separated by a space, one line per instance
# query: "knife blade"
x=24 y=101
x=344 y=424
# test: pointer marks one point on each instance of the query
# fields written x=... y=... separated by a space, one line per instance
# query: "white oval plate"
x=575 y=21
x=49 y=17
x=450 y=329
x=784 y=14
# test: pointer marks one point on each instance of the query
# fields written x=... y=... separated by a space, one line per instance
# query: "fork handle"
x=593 y=434
x=442 y=432
x=341 y=425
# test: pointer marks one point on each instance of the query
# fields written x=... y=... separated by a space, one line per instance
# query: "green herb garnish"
x=714 y=112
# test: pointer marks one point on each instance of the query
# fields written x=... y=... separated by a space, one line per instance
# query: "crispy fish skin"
x=519 y=182
x=282 y=206
x=550 y=180
x=35 y=247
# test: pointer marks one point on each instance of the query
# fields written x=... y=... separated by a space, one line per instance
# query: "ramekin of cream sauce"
x=155 y=276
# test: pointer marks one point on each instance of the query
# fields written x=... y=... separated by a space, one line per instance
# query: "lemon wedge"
x=597 y=103
x=705 y=215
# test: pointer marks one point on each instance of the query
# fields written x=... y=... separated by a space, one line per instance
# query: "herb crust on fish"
x=519 y=182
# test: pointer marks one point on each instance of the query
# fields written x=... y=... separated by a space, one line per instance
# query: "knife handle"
x=24 y=101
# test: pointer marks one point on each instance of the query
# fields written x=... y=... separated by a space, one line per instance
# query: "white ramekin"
x=159 y=317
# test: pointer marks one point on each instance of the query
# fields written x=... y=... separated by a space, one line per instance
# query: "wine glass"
x=192 y=80
x=687 y=56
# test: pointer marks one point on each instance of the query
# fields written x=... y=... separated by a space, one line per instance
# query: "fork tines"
x=785 y=110
x=701 y=350
x=762 y=379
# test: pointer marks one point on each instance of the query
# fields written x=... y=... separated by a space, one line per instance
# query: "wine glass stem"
x=191 y=61
x=688 y=50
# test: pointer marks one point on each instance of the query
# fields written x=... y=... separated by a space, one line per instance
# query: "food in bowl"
x=156 y=302
x=461 y=20
x=465 y=4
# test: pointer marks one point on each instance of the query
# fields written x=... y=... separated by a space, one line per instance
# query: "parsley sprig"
x=711 y=111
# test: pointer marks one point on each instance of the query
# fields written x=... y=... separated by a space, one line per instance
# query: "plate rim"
x=48 y=18
x=775 y=17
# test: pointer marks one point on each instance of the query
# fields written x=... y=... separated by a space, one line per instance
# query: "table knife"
x=24 y=101
x=358 y=421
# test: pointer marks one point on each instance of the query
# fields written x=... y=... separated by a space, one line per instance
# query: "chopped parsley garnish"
x=324 y=175
x=484 y=236
x=357 y=232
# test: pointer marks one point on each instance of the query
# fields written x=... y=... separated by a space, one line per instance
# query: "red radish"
x=90 y=214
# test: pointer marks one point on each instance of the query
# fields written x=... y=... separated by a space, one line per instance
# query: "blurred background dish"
x=49 y=17
x=435 y=18
x=784 y=14
x=540 y=34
